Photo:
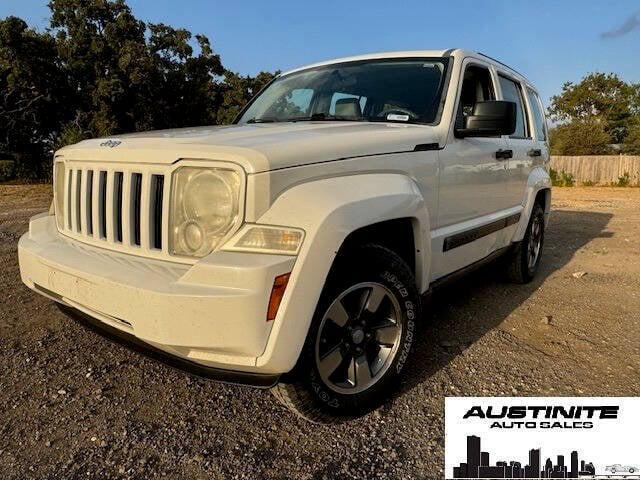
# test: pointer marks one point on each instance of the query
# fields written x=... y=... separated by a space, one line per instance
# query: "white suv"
x=291 y=250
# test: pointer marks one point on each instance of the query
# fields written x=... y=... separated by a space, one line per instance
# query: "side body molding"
x=328 y=210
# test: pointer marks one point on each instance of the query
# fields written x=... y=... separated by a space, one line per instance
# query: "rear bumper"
x=212 y=313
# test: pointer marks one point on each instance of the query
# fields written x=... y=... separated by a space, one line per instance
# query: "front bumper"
x=212 y=313
x=257 y=380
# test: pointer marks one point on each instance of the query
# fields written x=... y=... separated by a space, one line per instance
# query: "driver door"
x=473 y=181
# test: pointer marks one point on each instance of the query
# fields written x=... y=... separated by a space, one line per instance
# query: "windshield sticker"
x=398 y=118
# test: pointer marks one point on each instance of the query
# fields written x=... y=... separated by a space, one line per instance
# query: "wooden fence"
x=599 y=169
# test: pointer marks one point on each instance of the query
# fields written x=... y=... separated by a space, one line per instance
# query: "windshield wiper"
x=262 y=120
x=316 y=117
x=323 y=117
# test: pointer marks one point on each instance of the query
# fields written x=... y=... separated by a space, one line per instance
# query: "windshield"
x=390 y=90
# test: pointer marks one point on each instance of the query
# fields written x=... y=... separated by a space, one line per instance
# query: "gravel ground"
x=73 y=404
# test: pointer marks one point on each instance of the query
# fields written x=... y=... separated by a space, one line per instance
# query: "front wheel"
x=360 y=337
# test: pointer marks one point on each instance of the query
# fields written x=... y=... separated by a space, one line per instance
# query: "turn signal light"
x=279 y=286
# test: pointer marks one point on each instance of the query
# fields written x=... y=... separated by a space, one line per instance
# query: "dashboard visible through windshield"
x=390 y=90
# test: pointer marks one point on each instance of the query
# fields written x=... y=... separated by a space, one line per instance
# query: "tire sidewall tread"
x=306 y=393
x=517 y=267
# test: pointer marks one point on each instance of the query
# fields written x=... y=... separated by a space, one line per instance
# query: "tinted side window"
x=538 y=116
x=511 y=92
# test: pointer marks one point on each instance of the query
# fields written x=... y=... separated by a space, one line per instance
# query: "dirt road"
x=75 y=405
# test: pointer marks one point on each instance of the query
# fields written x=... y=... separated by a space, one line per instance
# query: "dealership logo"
x=528 y=437
x=543 y=416
x=478 y=465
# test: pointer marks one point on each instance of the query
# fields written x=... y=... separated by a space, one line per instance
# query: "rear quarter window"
x=538 y=115
x=512 y=92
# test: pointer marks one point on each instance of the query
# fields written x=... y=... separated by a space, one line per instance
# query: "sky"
x=550 y=42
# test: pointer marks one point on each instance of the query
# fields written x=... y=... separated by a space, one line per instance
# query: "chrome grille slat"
x=119 y=207
x=102 y=204
x=95 y=204
x=118 y=190
x=75 y=200
x=79 y=176
x=145 y=208
x=109 y=207
x=157 y=192
x=87 y=212
x=67 y=203
x=136 y=196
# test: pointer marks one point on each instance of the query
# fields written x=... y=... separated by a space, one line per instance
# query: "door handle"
x=504 y=154
x=535 y=152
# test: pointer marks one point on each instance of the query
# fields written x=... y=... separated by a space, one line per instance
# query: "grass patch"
x=561 y=179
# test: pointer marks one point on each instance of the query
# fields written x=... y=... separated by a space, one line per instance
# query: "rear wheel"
x=359 y=340
x=523 y=262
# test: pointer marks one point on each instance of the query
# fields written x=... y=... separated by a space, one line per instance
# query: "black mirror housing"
x=490 y=119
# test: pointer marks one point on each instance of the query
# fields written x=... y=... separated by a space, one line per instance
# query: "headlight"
x=58 y=193
x=267 y=239
x=204 y=209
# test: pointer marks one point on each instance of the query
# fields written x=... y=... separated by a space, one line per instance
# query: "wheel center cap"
x=357 y=336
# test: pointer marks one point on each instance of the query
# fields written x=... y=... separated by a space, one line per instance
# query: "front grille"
x=119 y=208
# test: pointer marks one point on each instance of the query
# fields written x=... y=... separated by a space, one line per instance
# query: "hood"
x=257 y=147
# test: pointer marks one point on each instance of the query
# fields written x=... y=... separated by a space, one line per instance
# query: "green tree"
x=129 y=76
x=237 y=91
x=101 y=71
x=598 y=97
x=580 y=137
x=632 y=141
x=189 y=89
x=33 y=97
x=102 y=49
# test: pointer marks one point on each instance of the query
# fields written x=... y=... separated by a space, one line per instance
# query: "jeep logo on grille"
x=111 y=143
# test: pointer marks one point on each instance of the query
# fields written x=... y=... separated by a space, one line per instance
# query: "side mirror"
x=489 y=119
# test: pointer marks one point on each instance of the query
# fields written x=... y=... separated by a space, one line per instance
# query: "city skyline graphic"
x=478 y=465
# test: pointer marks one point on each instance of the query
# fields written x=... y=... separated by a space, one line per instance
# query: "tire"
x=520 y=266
x=365 y=327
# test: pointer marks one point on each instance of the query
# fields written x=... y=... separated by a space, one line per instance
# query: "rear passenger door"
x=521 y=143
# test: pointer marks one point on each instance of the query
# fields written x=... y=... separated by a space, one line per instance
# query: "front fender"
x=538 y=180
x=328 y=210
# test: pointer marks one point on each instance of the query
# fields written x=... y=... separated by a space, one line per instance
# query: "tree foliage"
x=98 y=71
x=33 y=95
x=632 y=142
x=580 y=137
x=129 y=76
x=595 y=115
x=238 y=90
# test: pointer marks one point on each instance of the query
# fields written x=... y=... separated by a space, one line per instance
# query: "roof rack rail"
x=501 y=63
